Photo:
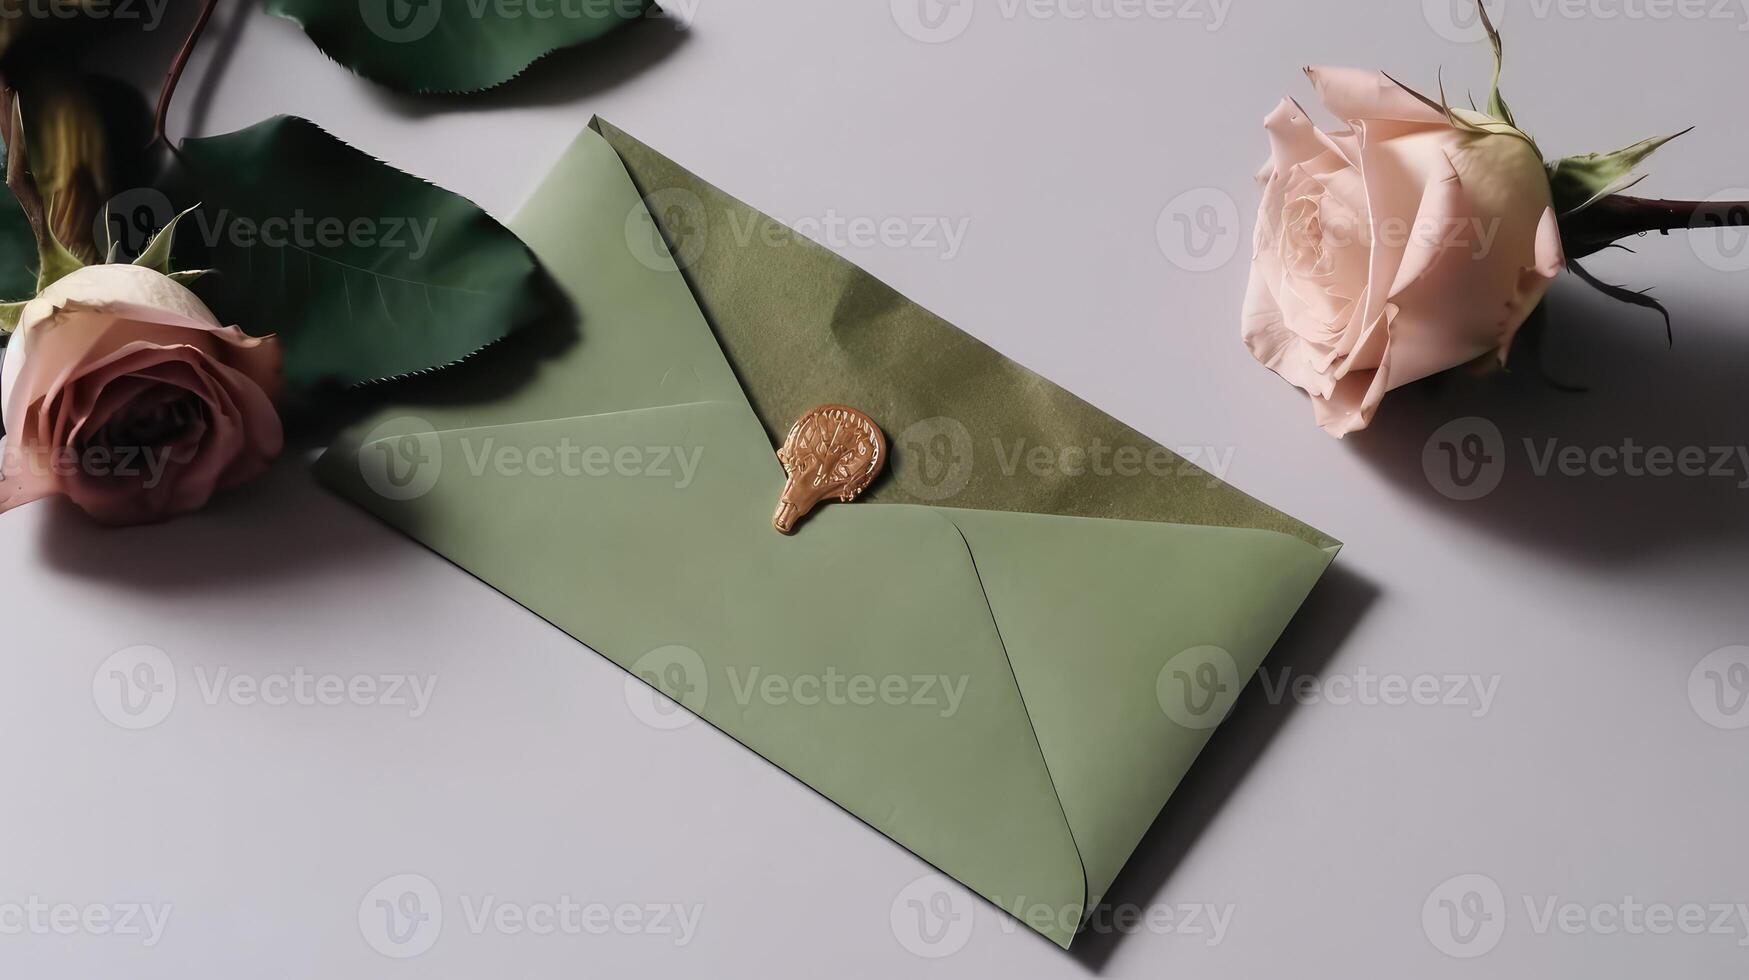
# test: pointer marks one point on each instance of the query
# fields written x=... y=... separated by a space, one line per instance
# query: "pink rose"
x=122 y=391
x=1397 y=248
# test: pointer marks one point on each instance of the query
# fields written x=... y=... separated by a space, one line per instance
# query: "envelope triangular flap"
x=802 y=327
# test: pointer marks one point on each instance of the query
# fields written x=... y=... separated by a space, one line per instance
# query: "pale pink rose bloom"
x=122 y=391
x=1392 y=250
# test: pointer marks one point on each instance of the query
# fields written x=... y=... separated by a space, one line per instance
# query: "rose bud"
x=123 y=392
x=1407 y=244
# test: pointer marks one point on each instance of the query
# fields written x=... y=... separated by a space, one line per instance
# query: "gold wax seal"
x=833 y=451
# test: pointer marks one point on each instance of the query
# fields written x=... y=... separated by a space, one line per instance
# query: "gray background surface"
x=1602 y=772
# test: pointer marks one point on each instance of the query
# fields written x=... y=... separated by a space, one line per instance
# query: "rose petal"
x=1354 y=94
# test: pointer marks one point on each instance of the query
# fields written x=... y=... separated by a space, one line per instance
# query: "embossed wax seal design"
x=833 y=451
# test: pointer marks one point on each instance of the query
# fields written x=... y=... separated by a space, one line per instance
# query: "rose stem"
x=174 y=75
x=18 y=176
x=1618 y=217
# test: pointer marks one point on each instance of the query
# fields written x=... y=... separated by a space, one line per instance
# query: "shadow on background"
x=1323 y=625
x=272 y=530
x=1641 y=394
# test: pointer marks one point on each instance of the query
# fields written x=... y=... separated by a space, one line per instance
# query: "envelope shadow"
x=1329 y=615
x=1565 y=488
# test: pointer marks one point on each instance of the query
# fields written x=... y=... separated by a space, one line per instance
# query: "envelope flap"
x=1130 y=641
x=970 y=428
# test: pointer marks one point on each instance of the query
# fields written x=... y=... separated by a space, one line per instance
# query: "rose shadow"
x=232 y=546
x=233 y=543
x=1639 y=389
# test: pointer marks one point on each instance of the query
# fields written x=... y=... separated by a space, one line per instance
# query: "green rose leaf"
x=451 y=45
x=364 y=272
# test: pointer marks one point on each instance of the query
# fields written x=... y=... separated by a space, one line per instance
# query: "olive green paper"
x=813 y=329
x=1035 y=787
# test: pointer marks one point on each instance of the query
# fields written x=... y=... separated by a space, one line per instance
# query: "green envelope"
x=1005 y=657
